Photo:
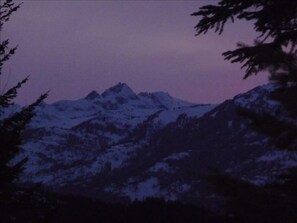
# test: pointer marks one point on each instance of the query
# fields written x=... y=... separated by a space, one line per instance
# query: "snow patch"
x=147 y=188
x=284 y=158
x=178 y=156
x=160 y=166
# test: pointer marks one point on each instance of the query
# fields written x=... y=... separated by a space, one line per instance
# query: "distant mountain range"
x=121 y=146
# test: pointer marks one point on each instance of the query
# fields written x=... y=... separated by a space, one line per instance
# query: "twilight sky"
x=73 y=47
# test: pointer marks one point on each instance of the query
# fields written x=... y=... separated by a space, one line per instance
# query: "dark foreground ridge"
x=34 y=205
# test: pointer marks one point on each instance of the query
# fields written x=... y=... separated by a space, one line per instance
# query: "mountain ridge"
x=145 y=147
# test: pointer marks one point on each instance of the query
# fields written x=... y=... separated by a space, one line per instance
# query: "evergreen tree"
x=11 y=126
x=275 y=51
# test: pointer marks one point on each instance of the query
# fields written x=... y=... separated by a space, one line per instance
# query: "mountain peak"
x=121 y=89
x=92 y=95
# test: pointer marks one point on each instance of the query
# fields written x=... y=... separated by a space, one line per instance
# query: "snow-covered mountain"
x=121 y=145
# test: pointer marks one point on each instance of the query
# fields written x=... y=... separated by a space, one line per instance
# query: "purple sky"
x=73 y=47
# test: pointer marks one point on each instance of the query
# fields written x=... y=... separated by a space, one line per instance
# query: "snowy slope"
x=121 y=145
x=69 y=141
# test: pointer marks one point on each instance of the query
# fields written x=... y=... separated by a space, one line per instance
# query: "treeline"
x=34 y=205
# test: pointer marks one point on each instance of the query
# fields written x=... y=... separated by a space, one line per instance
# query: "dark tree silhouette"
x=275 y=51
x=11 y=126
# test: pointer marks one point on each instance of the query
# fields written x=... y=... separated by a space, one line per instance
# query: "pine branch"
x=215 y=17
x=8 y=96
x=261 y=57
x=6 y=9
x=274 y=20
x=19 y=120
